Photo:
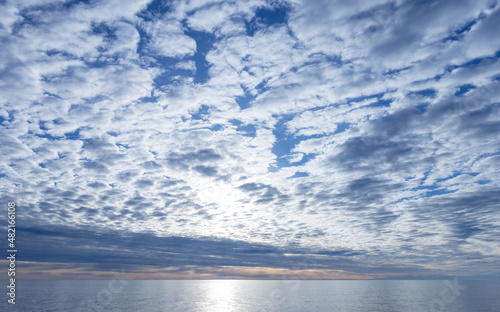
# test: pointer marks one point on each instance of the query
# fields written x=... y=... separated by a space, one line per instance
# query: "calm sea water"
x=253 y=296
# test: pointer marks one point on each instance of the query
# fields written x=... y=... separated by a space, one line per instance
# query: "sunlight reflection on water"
x=256 y=296
x=219 y=295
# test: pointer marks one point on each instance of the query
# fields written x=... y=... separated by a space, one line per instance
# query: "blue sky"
x=252 y=139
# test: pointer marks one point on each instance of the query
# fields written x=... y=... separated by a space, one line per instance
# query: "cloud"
x=167 y=39
x=106 y=250
x=254 y=134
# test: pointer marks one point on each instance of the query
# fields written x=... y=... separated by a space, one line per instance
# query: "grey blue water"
x=254 y=296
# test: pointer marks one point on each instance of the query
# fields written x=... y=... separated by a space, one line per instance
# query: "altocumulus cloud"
x=196 y=136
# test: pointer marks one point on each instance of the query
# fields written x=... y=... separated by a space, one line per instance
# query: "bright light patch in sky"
x=252 y=139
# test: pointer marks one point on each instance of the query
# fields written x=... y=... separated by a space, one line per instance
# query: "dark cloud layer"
x=112 y=249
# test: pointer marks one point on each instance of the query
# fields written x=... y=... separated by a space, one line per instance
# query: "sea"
x=255 y=295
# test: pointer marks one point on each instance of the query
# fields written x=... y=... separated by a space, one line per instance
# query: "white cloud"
x=92 y=118
x=168 y=38
x=208 y=19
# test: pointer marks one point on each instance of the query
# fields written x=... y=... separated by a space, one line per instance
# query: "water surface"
x=252 y=296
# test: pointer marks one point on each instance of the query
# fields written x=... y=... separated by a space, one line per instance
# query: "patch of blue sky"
x=454 y=175
x=121 y=145
x=170 y=73
x=322 y=57
x=262 y=86
x=103 y=30
x=41 y=125
x=464 y=89
x=56 y=52
x=434 y=189
x=379 y=103
x=46 y=136
x=204 y=42
x=299 y=174
x=10 y=117
x=61 y=155
x=430 y=93
x=473 y=62
x=143 y=43
x=266 y=17
x=57 y=121
x=285 y=142
x=483 y=182
x=52 y=95
x=25 y=19
x=342 y=127
x=102 y=62
x=148 y=99
x=74 y=135
x=69 y=4
x=247 y=130
x=429 y=192
x=94 y=99
x=155 y=9
x=365 y=97
x=202 y=114
x=245 y=100
x=479 y=60
x=397 y=70
x=422 y=107
x=317 y=59
x=459 y=33
x=405 y=199
x=486 y=155
x=449 y=68
x=216 y=127
x=272 y=16
x=426 y=175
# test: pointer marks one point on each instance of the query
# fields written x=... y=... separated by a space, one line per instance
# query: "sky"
x=255 y=139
